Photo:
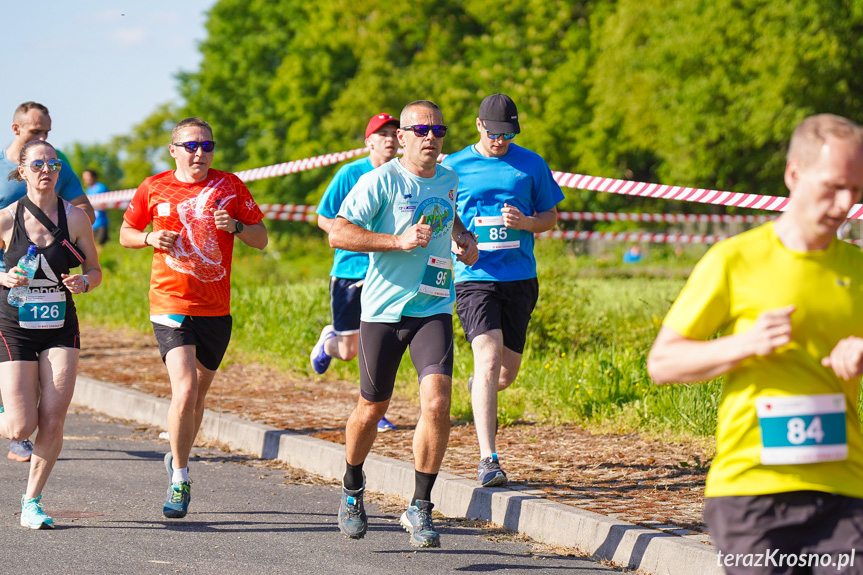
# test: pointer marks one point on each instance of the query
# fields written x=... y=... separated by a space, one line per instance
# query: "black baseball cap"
x=499 y=114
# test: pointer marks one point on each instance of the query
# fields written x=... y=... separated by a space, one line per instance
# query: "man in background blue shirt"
x=506 y=194
x=340 y=338
x=94 y=186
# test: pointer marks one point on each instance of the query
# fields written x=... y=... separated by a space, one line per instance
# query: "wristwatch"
x=239 y=227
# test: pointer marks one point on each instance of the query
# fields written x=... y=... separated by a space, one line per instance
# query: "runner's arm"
x=81 y=232
x=675 y=358
x=348 y=236
x=325 y=223
x=84 y=203
x=254 y=235
x=540 y=222
x=133 y=238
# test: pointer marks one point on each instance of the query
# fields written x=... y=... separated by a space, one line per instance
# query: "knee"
x=185 y=400
x=370 y=413
x=21 y=430
x=348 y=347
x=437 y=407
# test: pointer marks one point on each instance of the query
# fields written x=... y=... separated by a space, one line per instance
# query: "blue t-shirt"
x=68 y=186
x=415 y=283
x=520 y=178
x=101 y=215
x=346 y=265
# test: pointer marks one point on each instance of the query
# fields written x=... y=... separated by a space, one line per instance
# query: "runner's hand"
x=162 y=240
x=418 y=234
x=771 y=331
x=846 y=359
x=465 y=249
x=513 y=218
x=74 y=283
x=224 y=221
x=14 y=278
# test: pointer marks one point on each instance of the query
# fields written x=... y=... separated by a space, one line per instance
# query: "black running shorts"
x=21 y=344
x=382 y=346
x=209 y=335
x=507 y=306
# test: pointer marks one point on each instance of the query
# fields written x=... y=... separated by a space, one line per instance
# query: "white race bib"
x=802 y=429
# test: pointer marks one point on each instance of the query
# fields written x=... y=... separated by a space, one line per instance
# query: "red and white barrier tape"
x=663 y=218
x=634 y=237
x=564 y=179
x=291 y=217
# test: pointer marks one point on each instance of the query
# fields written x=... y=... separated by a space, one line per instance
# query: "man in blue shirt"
x=94 y=186
x=506 y=195
x=340 y=338
x=403 y=214
x=32 y=122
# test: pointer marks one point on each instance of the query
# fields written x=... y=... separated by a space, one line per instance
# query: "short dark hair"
x=185 y=123
x=91 y=171
x=14 y=175
x=26 y=107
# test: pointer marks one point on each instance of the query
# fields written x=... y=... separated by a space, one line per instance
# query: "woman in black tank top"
x=41 y=336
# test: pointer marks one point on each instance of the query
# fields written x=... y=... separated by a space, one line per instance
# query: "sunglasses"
x=192 y=147
x=421 y=130
x=506 y=135
x=53 y=165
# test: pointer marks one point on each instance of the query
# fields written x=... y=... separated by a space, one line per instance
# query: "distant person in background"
x=786 y=297
x=32 y=122
x=506 y=194
x=340 y=338
x=94 y=186
x=633 y=255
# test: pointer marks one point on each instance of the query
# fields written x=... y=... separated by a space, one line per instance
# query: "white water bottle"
x=28 y=263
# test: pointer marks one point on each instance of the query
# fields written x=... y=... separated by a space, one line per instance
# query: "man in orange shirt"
x=196 y=212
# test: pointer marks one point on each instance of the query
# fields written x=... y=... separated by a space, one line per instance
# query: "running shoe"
x=319 y=357
x=353 y=521
x=385 y=425
x=417 y=521
x=20 y=450
x=177 y=504
x=489 y=473
x=169 y=460
x=32 y=514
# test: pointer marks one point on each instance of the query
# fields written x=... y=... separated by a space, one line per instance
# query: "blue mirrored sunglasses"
x=422 y=130
x=192 y=147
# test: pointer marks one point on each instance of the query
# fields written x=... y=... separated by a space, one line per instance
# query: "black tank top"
x=53 y=262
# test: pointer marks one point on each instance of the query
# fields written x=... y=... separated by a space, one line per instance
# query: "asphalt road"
x=246 y=517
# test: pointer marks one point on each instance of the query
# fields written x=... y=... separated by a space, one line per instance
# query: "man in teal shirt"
x=403 y=215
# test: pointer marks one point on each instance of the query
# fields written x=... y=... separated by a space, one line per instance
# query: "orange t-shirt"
x=194 y=278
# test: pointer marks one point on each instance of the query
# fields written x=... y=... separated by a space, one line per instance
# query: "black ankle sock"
x=353 y=476
x=423 y=486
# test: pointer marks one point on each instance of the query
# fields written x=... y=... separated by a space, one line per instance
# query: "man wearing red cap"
x=340 y=339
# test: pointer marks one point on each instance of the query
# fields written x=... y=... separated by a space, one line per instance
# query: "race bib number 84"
x=802 y=429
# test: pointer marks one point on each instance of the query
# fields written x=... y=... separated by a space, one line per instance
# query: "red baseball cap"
x=377 y=122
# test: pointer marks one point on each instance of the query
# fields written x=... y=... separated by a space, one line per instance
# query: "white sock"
x=180 y=475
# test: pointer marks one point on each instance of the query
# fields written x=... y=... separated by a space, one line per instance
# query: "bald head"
x=812 y=133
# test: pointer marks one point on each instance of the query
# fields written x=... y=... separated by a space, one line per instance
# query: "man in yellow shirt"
x=785 y=490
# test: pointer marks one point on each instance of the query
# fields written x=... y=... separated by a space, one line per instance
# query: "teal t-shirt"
x=346 y=265
x=521 y=178
x=415 y=283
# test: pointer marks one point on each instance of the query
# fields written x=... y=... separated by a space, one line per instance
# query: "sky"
x=100 y=66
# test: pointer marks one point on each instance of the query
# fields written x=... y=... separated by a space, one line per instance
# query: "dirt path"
x=640 y=480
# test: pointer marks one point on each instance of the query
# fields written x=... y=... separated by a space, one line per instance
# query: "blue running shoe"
x=319 y=357
x=385 y=425
x=489 y=473
x=32 y=514
x=353 y=521
x=417 y=521
x=177 y=504
x=20 y=451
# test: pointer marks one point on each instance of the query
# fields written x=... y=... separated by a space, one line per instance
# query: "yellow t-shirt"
x=737 y=280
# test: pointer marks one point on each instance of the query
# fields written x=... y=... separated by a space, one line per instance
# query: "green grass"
x=586 y=348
